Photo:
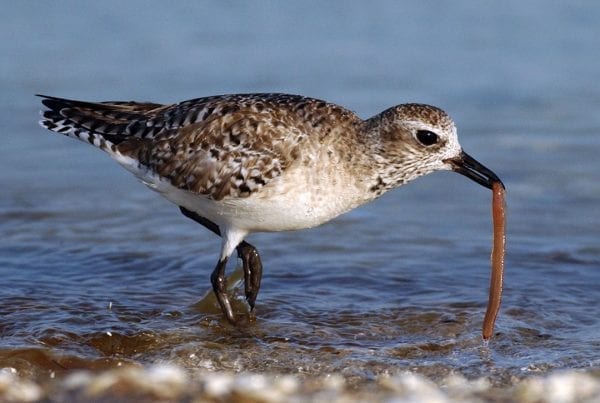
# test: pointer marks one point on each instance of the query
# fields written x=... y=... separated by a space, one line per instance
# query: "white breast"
x=292 y=201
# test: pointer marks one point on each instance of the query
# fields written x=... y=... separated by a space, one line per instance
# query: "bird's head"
x=416 y=139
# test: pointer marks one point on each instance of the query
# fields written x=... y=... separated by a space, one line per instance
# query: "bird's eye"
x=427 y=137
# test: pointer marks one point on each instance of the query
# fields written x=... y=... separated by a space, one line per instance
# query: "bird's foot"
x=219 y=284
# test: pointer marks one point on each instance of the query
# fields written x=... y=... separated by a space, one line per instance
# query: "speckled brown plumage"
x=224 y=146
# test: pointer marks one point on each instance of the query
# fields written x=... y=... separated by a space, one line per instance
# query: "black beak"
x=469 y=167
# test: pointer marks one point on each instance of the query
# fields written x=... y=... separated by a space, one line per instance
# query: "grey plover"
x=246 y=163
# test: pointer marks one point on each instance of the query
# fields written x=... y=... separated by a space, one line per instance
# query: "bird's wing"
x=232 y=154
x=220 y=146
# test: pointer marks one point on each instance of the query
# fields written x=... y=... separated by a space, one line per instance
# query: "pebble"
x=167 y=382
x=14 y=389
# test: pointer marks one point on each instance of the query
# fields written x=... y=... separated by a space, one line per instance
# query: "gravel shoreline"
x=171 y=383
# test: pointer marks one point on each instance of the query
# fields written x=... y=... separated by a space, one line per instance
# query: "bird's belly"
x=287 y=203
x=296 y=200
x=282 y=212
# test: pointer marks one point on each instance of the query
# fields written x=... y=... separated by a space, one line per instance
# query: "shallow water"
x=99 y=272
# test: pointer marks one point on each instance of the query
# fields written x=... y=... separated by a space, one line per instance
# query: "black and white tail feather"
x=57 y=120
x=102 y=124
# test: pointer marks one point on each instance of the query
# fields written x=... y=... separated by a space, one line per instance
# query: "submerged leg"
x=219 y=283
x=252 y=271
x=248 y=253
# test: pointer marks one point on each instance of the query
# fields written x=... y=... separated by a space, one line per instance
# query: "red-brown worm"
x=498 y=252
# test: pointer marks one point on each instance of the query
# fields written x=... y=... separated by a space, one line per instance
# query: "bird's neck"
x=387 y=169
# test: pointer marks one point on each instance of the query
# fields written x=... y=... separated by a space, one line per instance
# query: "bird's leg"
x=248 y=253
x=219 y=283
x=201 y=220
x=252 y=271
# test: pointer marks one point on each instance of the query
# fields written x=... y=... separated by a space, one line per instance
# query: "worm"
x=497 y=258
